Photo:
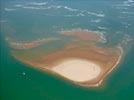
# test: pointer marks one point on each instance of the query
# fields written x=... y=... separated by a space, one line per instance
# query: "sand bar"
x=83 y=63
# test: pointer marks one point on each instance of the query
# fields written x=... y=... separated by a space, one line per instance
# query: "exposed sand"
x=83 y=62
x=78 y=70
x=83 y=35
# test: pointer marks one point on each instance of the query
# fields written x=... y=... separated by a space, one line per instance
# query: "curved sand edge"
x=57 y=68
x=97 y=81
x=118 y=61
x=106 y=59
x=108 y=72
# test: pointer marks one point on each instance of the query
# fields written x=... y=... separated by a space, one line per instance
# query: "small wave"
x=126 y=39
x=124 y=5
x=100 y=15
x=96 y=20
x=49 y=7
x=62 y=7
x=102 y=28
x=72 y=30
x=69 y=15
x=129 y=1
x=80 y=14
x=96 y=14
x=124 y=12
x=70 y=9
x=126 y=25
x=29 y=7
x=103 y=37
x=38 y=3
x=39 y=6
x=120 y=7
x=9 y=9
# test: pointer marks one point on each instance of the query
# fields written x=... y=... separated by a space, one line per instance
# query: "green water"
x=20 y=82
x=42 y=86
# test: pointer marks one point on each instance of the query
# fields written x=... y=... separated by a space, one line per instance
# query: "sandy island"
x=85 y=64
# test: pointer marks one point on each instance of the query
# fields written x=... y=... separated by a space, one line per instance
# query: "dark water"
x=29 y=20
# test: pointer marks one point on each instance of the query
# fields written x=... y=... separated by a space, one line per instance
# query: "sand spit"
x=28 y=45
x=84 y=64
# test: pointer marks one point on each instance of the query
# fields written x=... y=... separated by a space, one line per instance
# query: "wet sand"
x=106 y=59
x=84 y=64
x=28 y=45
x=84 y=35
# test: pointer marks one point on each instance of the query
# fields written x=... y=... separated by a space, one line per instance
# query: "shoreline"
x=117 y=63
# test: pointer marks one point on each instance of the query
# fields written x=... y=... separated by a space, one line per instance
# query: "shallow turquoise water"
x=29 y=20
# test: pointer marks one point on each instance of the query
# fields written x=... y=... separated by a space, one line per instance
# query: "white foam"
x=38 y=3
x=124 y=4
x=102 y=36
x=129 y=1
x=9 y=9
x=69 y=15
x=96 y=14
x=80 y=14
x=50 y=7
x=70 y=9
x=126 y=39
x=30 y=7
x=102 y=28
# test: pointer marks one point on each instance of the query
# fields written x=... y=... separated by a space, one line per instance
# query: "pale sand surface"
x=78 y=70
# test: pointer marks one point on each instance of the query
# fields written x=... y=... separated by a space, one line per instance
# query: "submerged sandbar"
x=83 y=63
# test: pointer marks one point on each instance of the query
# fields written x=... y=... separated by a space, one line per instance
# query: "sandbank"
x=83 y=63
